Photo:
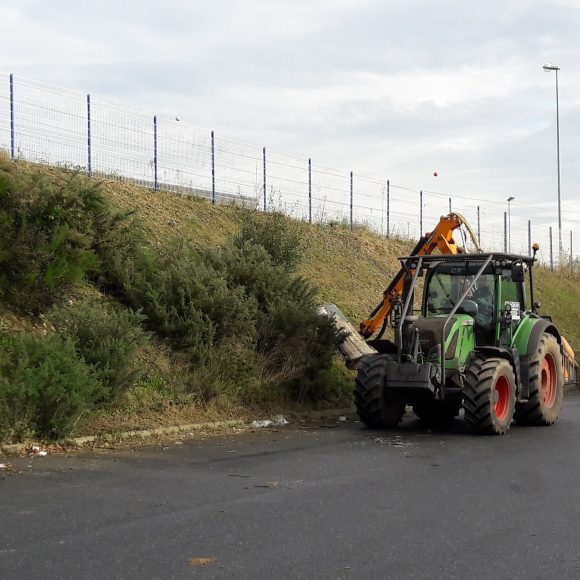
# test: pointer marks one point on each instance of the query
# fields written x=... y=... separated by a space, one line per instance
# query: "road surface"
x=321 y=503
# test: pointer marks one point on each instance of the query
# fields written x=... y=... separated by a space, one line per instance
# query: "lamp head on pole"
x=510 y=198
x=549 y=66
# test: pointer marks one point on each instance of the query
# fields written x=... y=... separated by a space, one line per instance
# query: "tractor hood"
x=429 y=332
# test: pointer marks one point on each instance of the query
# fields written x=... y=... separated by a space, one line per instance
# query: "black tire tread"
x=477 y=393
x=533 y=411
x=375 y=406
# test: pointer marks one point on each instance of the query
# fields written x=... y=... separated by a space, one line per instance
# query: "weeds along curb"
x=142 y=434
x=145 y=434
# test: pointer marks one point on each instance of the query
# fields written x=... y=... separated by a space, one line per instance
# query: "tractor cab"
x=494 y=298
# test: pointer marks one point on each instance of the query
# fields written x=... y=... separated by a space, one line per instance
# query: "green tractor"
x=474 y=341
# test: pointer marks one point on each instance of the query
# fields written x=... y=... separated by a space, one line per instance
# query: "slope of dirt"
x=350 y=268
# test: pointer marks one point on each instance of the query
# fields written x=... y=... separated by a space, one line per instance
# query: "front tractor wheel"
x=546 y=385
x=489 y=395
x=377 y=407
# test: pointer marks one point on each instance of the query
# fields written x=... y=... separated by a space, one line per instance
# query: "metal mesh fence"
x=121 y=144
x=45 y=124
x=5 y=113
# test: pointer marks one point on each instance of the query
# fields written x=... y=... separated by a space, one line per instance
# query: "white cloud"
x=389 y=88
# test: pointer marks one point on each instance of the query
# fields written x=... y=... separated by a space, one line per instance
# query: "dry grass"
x=559 y=293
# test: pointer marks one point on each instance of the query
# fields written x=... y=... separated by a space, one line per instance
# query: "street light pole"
x=554 y=67
x=509 y=200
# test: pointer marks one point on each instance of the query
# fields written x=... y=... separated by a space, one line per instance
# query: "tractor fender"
x=541 y=326
x=511 y=355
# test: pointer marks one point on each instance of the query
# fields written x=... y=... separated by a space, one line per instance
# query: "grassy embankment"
x=163 y=383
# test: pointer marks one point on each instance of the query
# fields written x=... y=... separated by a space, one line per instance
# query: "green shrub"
x=119 y=239
x=46 y=234
x=165 y=379
x=244 y=320
x=44 y=386
x=248 y=266
x=295 y=343
x=229 y=371
x=106 y=336
x=278 y=234
x=333 y=385
x=187 y=301
x=150 y=393
x=57 y=229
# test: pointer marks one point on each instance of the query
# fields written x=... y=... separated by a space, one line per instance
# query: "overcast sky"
x=388 y=88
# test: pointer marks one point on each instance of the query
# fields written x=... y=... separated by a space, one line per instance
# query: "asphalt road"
x=317 y=503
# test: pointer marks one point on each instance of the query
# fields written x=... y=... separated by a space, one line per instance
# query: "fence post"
x=309 y=190
x=351 y=198
x=478 y=227
x=505 y=232
x=450 y=210
x=155 y=181
x=571 y=259
x=12 y=136
x=388 y=207
x=89 y=144
x=212 y=167
x=420 y=213
x=529 y=237
x=264 y=160
x=551 y=251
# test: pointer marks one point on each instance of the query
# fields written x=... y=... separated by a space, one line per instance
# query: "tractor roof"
x=499 y=258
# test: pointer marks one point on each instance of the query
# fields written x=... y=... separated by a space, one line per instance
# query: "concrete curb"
x=143 y=434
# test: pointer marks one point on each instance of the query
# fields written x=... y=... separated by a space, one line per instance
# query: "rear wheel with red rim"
x=546 y=386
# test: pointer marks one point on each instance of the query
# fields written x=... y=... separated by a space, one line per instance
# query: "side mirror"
x=469 y=307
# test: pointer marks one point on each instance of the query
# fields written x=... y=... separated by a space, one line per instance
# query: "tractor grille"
x=430 y=330
x=428 y=339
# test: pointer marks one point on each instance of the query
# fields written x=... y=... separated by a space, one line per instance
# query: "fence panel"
x=122 y=144
x=5 y=112
x=50 y=125
x=184 y=157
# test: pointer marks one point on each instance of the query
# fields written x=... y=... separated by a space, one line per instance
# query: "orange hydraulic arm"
x=441 y=239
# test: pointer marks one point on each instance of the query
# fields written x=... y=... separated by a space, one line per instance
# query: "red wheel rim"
x=549 y=380
x=502 y=398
